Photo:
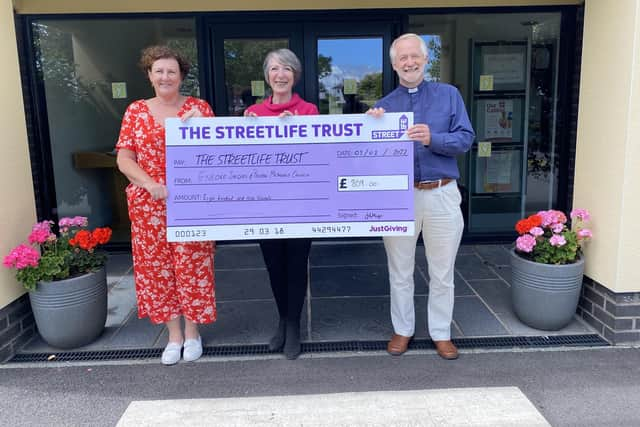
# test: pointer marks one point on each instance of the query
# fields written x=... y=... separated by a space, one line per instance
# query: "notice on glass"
x=499 y=168
x=498 y=119
x=235 y=178
x=506 y=68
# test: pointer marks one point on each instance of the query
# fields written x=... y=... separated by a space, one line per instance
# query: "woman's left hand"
x=421 y=133
x=194 y=112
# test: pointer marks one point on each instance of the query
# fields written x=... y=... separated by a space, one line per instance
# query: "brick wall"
x=17 y=326
x=616 y=316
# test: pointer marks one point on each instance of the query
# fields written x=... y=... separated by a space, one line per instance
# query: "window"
x=89 y=73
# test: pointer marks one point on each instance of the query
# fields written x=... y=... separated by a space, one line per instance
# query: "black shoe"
x=292 y=342
x=277 y=341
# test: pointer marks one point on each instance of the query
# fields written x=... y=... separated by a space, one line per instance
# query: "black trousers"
x=286 y=261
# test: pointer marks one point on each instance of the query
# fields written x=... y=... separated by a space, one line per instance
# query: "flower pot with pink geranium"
x=548 y=265
x=65 y=275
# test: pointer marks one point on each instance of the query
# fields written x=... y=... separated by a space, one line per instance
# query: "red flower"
x=524 y=225
x=536 y=220
x=101 y=235
x=84 y=239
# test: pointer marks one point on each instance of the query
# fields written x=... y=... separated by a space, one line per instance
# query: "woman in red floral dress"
x=173 y=280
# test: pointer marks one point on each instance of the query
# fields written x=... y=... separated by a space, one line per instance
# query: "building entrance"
x=345 y=65
x=505 y=65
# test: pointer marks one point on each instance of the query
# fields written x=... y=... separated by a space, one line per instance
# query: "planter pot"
x=545 y=296
x=72 y=312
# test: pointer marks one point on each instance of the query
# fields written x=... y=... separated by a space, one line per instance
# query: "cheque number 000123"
x=191 y=233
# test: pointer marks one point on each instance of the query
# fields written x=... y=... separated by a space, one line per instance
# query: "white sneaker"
x=171 y=353
x=192 y=349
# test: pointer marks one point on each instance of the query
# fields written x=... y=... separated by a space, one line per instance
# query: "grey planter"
x=72 y=312
x=545 y=296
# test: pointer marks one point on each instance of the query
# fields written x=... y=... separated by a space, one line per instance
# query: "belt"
x=430 y=185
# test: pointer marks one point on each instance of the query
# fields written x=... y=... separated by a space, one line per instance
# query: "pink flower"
x=560 y=217
x=581 y=214
x=557 y=240
x=525 y=243
x=22 y=256
x=552 y=217
x=536 y=231
x=41 y=232
x=547 y=218
x=584 y=233
x=557 y=227
x=76 y=221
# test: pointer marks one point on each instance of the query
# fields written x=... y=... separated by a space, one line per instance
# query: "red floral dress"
x=172 y=279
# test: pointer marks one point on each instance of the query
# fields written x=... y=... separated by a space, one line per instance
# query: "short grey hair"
x=285 y=57
x=392 y=49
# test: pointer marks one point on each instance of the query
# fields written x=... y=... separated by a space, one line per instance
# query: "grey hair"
x=285 y=57
x=392 y=49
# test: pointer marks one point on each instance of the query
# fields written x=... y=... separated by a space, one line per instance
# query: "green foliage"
x=546 y=253
x=187 y=48
x=243 y=60
x=370 y=88
x=324 y=66
x=435 y=53
x=546 y=238
x=51 y=257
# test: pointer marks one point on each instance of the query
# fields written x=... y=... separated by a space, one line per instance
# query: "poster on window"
x=498 y=119
x=506 y=68
x=500 y=172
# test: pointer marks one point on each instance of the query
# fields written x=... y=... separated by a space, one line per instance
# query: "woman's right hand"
x=248 y=113
x=156 y=190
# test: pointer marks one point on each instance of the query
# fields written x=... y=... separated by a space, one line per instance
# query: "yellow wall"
x=608 y=147
x=94 y=6
x=17 y=210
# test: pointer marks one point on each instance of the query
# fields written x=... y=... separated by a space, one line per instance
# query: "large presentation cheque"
x=234 y=178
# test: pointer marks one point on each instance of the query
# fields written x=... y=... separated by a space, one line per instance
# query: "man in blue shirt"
x=441 y=131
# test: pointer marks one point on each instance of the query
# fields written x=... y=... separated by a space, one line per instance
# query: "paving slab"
x=483 y=406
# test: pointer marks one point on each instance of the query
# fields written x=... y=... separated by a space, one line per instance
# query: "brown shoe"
x=446 y=349
x=398 y=345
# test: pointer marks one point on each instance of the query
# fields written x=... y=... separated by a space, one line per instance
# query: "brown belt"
x=430 y=185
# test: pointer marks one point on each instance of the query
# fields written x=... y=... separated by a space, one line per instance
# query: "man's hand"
x=421 y=133
x=375 y=112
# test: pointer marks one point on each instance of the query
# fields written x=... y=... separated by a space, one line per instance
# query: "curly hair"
x=151 y=54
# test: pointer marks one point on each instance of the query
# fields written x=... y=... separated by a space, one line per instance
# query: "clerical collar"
x=414 y=90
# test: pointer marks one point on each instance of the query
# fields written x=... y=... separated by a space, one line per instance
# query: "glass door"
x=238 y=56
x=500 y=75
x=350 y=63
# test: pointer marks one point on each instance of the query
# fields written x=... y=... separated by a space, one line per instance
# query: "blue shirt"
x=440 y=106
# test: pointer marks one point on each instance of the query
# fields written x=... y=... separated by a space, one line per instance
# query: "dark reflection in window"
x=90 y=74
x=244 y=76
